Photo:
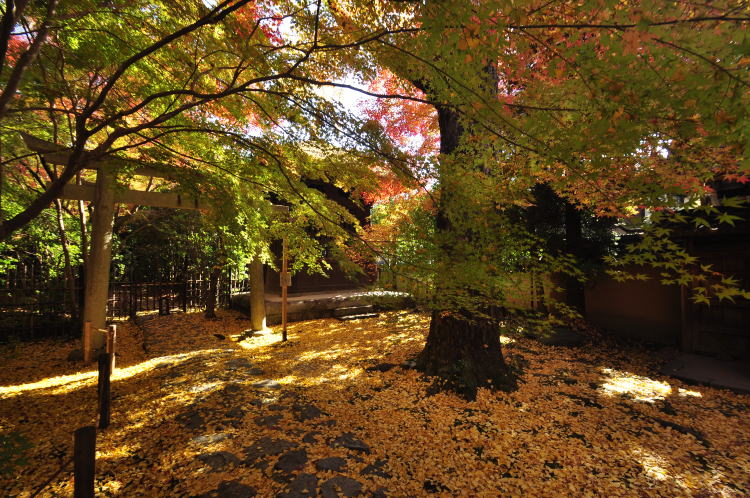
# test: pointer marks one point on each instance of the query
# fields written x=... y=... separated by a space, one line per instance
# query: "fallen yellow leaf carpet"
x=199 y=409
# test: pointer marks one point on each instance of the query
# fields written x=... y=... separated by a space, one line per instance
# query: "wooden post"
x=132 y=308
x=84 y=462
x=105 y=394
x=184 y=296
x=257 y=296
x=97 y=273
x=163 y=305
x=87 y=342
x=112 y=344
x=285 y=281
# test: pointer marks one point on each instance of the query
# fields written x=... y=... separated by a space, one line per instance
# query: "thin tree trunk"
x=84 y=229
x=70 y=296
x=211 y=295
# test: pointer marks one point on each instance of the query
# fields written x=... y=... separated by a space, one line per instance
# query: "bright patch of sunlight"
x=686 y=392
x=67 y=383
x=113 y=487
x=335 y=373
x=654 y=466
x=506 y=340
x=121 y=451
x=634 y=386
x=258 y=341
x=71 y=382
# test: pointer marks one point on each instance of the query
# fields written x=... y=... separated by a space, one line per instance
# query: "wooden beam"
x=57 y=154
x=153 y=199
x=159 y=199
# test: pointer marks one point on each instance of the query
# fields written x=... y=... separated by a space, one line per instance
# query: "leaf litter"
x=204 y=408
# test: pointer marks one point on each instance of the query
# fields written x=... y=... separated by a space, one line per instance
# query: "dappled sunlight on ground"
x=209 y=403
x=637 y=387
x=66 y=383
x=688 y=392
x=63 y=383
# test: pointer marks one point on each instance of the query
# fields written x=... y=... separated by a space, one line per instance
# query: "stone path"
x=237 y=397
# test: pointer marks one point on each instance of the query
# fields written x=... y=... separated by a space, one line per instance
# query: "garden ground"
x=199 y=409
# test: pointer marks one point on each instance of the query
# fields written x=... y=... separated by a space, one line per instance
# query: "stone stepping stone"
x=209 y=439
x=219 y=460
x=172 y=374
x=271 y=421
x=230 y=489
x=311 y=437
x=235 y=413
x=376 y=469
x=266 y=384
x=243 y=365
x=238 y=364
x=330 y=463
x=291 y=461
x=192 y=420
x=347 y=440
x=306 y=412
x=302 y=486
x=267 y=446
x=231 y=389
x=381 y=367
x=202 y=388
x=340 y=485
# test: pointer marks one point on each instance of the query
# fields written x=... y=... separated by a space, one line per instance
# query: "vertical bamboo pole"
x=284 y=283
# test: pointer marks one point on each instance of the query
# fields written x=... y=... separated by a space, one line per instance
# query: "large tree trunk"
x=462 y=348
x=466 y=352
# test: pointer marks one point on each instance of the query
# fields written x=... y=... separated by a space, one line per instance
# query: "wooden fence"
x=127 y=299
x=32 y=307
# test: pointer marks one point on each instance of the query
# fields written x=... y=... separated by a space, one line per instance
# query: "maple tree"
x=612 y=105
x=155 y=94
